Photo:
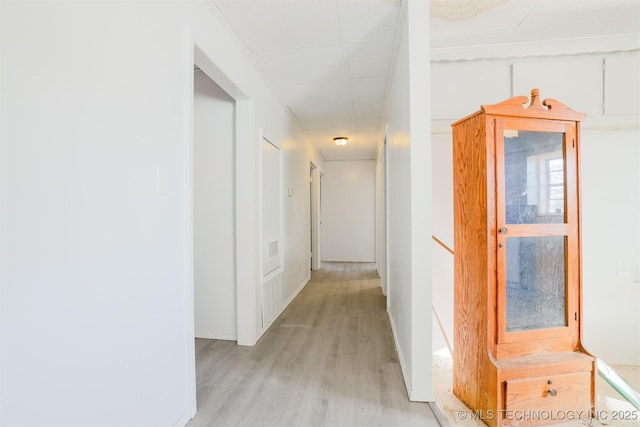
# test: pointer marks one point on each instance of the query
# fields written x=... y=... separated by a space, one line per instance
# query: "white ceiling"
x=329 y=60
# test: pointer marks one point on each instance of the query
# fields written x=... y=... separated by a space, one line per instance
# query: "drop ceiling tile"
x=369 y=58
x=333 y=126
x=367 y=153
x=369 y=90
x=331 y=91
x=368 y=124
x=302 y=65
x=269 y=24
x=367 y=146
x=322 y=111
x=369 y=111
x=367 y=140
x=362 y=20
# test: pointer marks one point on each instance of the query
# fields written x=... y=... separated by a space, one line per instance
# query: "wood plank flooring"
x=328 y=360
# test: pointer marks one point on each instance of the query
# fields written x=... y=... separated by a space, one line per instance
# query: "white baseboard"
x=442 y=419
x=208 y=336
x=414 y=395
x=183 y=420
x=284 y=306
x=422 y=397
x=405 y=375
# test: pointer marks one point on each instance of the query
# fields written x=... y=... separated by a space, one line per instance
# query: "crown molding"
x=584 y=45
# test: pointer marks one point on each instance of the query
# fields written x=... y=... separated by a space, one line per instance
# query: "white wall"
x=316 y=217
x=381 y=216
x=271 y=239
x=95 y=268
x=213 y=210
x=610 y=181
x=409 y=203
x=349 y=218
x=271 y=207
x=296 y=215
x=610 y=169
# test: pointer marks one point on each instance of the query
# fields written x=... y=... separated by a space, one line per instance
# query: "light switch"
x=290 y=192
x=624 y=267
x=158 y=189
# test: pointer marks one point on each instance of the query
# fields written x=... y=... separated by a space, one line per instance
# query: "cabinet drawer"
x=548 y=400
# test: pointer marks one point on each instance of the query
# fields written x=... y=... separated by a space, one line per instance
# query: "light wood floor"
x=328 y=360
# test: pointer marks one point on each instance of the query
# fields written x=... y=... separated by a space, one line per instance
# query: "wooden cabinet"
x=518 y=357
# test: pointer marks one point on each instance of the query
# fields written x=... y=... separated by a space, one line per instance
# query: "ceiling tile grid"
x=333 y=91
x=312 y=64
x=367 y=59
x=366 y=20
x=275 y=24
x=329 y=60
x=369 y=89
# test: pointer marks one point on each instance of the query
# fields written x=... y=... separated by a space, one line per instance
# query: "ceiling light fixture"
x=340 y=140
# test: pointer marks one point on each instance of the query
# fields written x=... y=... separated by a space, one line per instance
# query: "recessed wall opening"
x=213 y=210
x=214 y=214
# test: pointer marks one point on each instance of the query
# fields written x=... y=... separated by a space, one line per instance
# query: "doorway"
x=213 y=210
x=315 y=217
x=220 y=186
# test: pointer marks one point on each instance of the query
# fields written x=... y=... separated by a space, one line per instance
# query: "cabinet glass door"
x=533 y=232
x=536 y=283
x=534 y=177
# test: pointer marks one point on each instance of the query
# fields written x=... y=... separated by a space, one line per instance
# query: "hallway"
x=329 y=359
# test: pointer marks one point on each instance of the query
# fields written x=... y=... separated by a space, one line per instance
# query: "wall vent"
x=274 y=249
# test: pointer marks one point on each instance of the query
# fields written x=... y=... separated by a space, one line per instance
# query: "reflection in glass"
x=534 y=177
x=536 y=289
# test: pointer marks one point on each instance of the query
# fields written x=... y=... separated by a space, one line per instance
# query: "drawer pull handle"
x=552 y=392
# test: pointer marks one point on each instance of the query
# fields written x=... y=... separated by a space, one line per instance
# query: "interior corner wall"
x=94 y=222
x=610 y=181
x=381 y=215
x=297 y=153
x=213 y=210
x=409 y=203
x=349 y=211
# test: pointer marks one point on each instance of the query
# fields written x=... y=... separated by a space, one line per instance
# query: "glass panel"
x=535 y=283
x=534 y=177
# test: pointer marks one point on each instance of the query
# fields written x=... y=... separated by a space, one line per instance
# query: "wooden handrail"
x=438 y=241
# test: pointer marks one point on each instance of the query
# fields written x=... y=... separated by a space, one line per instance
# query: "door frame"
x=316 y=217
x=246 y=203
